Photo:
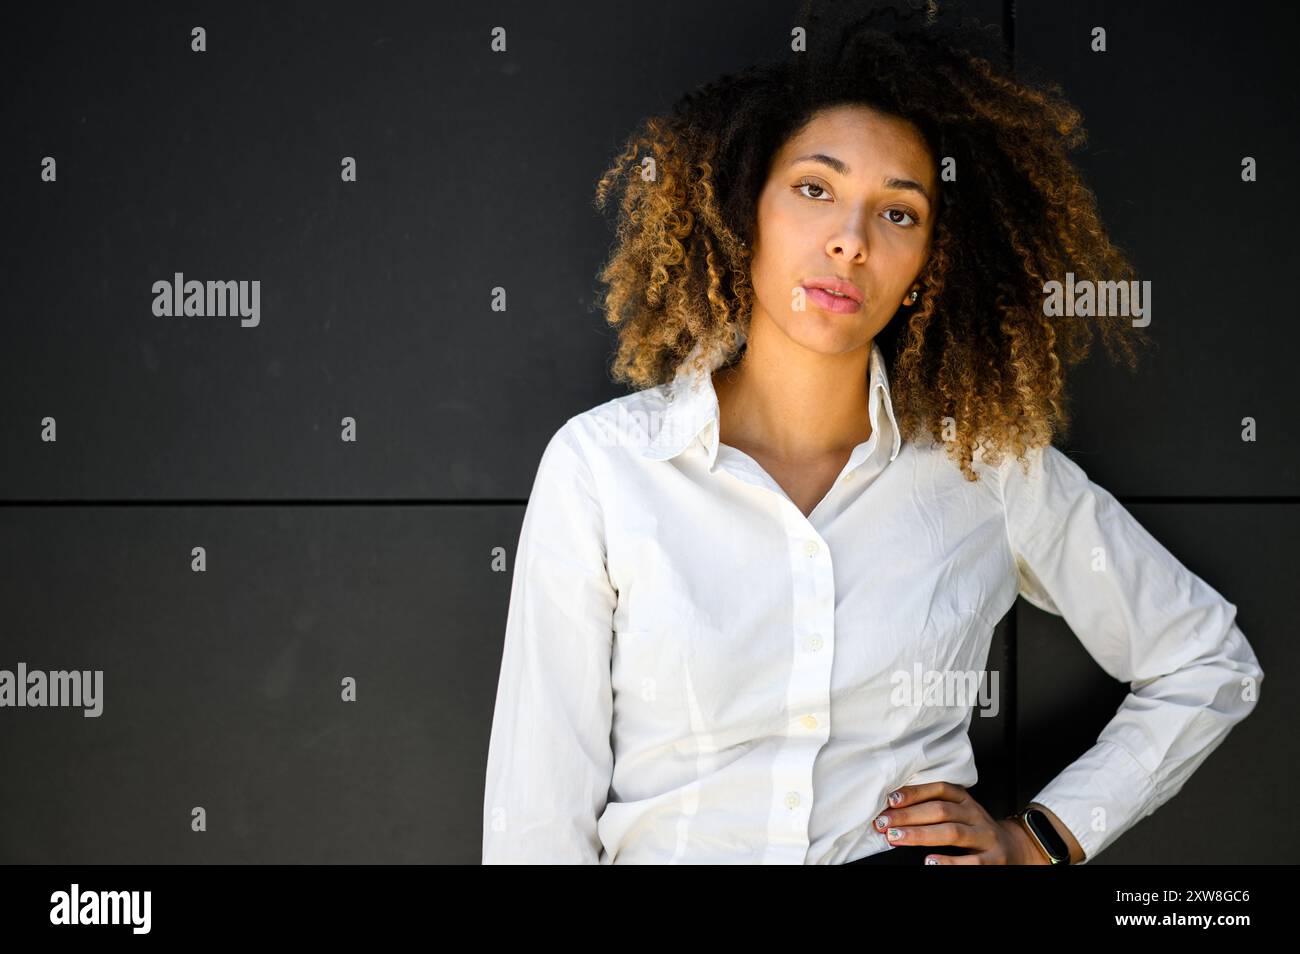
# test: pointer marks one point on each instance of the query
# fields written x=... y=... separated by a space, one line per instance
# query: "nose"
x=849 y=242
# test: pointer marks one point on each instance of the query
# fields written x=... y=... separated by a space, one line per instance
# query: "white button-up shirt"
x=694 y=671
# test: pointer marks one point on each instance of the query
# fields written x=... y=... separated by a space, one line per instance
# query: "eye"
x=806 y=183
x=906 y=213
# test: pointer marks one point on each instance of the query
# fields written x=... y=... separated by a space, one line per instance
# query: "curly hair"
x=977 y=363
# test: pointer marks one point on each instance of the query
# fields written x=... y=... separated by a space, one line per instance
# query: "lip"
x=831 y=283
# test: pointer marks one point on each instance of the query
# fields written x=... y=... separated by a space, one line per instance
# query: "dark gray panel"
x=222 y=689
x=1179 y=97
x=1233 y=810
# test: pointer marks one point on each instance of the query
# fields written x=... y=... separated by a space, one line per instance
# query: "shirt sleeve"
x=1146 y=620
x=549 y=756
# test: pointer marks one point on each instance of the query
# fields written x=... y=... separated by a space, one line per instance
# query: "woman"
x=745 y=593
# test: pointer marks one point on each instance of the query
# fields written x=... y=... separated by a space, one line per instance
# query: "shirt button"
x=791 y=799
x=850 y=474
x=809 y=722
x=815 y=643
x=811 y=548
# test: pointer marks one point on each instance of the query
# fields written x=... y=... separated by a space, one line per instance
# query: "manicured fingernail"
x=894 y=833
x=882 y=821
x=931 y=861
x=895 y=797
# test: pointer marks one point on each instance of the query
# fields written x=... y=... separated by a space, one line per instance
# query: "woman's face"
x=861 y=211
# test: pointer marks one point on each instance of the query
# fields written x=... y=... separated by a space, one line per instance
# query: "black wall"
x=388 y=558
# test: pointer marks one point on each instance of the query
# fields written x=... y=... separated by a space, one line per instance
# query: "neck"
x=793 y=403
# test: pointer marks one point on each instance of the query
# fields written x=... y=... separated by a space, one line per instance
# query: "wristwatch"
x=1044 y=834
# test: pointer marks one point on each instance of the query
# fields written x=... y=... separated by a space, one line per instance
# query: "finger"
x=929 y=813
x=971 y=859
x=944 y=833
x=911 y=794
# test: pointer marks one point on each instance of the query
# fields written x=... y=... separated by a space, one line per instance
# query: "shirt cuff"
x=1099 y=796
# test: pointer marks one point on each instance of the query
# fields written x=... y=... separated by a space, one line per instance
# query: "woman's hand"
x=941 y=813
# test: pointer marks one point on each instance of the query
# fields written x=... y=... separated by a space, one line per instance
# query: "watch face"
x=1047 y=834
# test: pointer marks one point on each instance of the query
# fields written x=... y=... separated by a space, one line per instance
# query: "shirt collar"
x=693 y=406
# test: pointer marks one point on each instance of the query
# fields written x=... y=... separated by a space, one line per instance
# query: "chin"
x=830 y=333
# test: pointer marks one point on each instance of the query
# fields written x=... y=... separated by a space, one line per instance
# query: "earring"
x=912 y=297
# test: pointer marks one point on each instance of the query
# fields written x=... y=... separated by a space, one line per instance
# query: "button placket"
x=808 y=692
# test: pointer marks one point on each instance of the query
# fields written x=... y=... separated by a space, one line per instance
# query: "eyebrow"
x=842 y=168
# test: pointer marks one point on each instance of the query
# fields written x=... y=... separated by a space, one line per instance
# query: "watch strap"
x=1033 y=835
